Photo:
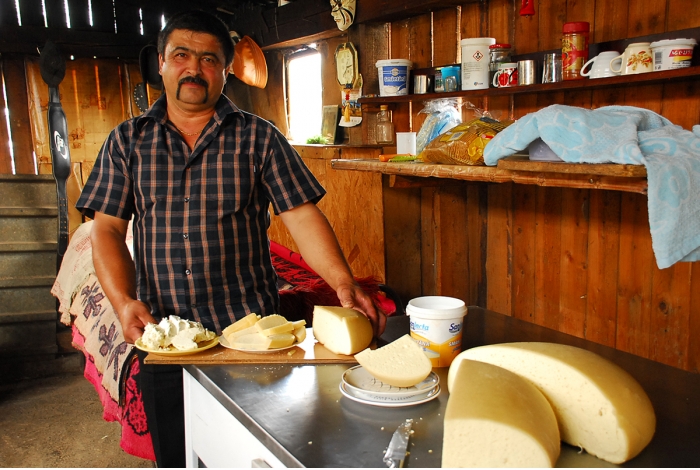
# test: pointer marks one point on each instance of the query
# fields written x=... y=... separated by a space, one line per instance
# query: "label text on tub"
x=419 y=326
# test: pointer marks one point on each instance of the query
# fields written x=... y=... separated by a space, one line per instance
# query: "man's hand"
x=134 y=316
x=352 y=296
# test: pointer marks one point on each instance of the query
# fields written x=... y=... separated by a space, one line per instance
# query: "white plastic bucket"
x=393 y=76
x=669 y=54
x=436 y=325
x=475 y=63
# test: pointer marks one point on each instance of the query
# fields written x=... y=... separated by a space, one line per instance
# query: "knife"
x=396 y=452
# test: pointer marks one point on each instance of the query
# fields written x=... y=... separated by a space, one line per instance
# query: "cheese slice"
x=252 y=341
x=287 y=327
x=245 y=322
x=401 y=363
x=342 y=330
x=495 y=418
x=599 y=406
x=300 y=333
x=245 y=331
x=281 y=340
x=270 y=321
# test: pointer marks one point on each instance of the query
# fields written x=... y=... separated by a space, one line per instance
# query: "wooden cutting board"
x=309 y=351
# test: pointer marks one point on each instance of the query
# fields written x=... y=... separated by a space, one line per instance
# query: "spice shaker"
x=574 y=49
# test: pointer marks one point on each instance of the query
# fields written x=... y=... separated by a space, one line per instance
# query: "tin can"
x=574 y=49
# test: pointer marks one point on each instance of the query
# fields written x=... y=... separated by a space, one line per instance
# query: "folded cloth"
x=625 y=135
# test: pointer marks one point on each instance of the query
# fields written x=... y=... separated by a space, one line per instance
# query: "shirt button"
x=187 y=199
x=185 y=236
x=188 y=272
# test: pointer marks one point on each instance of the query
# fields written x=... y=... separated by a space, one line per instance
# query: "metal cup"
x=551 y=71
x=526 y=72
x=421 y=84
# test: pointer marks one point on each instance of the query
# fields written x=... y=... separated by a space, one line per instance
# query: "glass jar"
x=385 y=128
x=498 y=54
x=574 y=49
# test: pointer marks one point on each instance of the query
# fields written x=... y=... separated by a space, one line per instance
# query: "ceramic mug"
x=600 y=65
x=636 y=59
x=506 y=75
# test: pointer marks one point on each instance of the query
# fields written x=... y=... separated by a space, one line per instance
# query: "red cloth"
x=304 y=288
x=135 y=439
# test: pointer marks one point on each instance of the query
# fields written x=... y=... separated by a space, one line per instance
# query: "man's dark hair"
x=200 y=22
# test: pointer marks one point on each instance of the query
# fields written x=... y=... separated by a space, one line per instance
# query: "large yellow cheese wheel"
x=495 y=418
x=342 y=330
x=599 y=406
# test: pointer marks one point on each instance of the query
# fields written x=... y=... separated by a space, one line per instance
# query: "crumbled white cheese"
x=183 y=335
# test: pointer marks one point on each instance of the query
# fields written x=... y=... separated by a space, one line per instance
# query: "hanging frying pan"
x=53 y=69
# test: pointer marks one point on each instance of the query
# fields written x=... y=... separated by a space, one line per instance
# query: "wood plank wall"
x=578 y=261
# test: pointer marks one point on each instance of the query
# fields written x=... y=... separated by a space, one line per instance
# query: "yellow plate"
x=176 y=352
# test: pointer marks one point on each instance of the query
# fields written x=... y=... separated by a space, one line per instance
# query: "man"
x=198 y=176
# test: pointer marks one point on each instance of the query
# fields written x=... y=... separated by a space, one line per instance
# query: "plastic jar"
x=669 y=54
x=393 y=76
x=499 y=53
x=385 y=128
x=574 y=49
x=436 y=325
x=475 y=63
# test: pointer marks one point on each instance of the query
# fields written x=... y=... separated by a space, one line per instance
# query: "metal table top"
x=299 y=413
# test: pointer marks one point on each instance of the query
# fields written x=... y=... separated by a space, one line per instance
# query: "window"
x=305 y=95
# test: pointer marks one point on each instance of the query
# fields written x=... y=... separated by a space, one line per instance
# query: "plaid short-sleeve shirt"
x=201 y=249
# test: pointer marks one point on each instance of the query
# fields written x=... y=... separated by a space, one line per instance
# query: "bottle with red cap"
x=574 y=49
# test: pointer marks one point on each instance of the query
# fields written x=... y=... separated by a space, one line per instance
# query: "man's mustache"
x=194 y=79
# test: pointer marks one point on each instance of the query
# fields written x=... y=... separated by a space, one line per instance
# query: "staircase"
x=28 y=245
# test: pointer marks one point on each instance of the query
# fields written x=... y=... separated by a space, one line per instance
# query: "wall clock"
x=346 y=65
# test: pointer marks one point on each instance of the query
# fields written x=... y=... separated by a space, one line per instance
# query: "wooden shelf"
x=628 y=178
x=583 y=84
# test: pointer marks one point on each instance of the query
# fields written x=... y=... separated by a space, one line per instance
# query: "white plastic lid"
x=673 y=42
x=477 y=42
x=436 y=307
x=381 y=63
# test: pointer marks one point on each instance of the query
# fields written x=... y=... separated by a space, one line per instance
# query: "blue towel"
x=626 y=135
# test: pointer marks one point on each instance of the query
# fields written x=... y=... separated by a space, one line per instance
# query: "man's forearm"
x=113 y=264
x=318 y=245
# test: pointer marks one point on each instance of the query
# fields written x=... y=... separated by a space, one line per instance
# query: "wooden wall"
x=578 y=261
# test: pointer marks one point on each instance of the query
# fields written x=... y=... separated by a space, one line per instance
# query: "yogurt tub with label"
x=393 y=76
x=436 y=325
x=670 y=54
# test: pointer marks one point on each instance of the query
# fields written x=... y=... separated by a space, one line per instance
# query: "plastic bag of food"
x=463 y=144
x=443 y=115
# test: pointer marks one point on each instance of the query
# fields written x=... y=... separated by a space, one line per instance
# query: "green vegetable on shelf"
x=403 y=158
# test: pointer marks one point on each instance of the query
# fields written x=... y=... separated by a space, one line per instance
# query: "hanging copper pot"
x=249 y=63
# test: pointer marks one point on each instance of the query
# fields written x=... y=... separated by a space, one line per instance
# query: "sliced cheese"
x=245 y=331
x=270 y=321
x=495 y=418
x=245 y=322
x=300 y=333
x=401 y=363
x=281 y=340
x=598 y=405
x=287 y=327
x=253 y=341
x=342 y=330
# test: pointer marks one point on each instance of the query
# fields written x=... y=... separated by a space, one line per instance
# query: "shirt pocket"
x=228 y=183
